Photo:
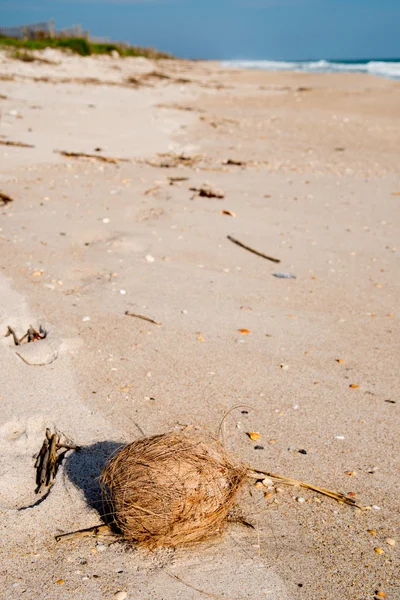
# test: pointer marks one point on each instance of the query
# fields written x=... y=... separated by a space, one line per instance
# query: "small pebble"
x=375 y=507
x=106 y=220
x=150 y=258
x=60 y=581
x=101 y=547
x=302 y=451
x=339 y=437
x=258 y=447
x=371 y=531
x=390 y=541
x=300 y=500
x=86 y=319
x=379 y=551
x=120 y=595
x=380 y=594
x=267 y=482
x=123 y=292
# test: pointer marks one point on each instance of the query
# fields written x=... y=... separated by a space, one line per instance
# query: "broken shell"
x=254 y=435
x=390 y=541
x=267 y=482
x=379 y=551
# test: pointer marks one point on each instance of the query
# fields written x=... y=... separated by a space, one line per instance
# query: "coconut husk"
x=171 y=489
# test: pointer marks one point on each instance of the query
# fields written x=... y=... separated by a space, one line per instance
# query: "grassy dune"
x=81 y=46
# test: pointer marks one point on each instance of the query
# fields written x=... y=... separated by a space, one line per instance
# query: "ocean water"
x=383 y=68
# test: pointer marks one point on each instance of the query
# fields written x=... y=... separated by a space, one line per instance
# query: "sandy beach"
x=309 y=167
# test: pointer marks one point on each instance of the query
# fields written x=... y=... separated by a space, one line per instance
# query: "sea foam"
x=382 y=68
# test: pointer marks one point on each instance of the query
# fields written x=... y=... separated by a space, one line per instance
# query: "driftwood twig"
x=17 y=144
x=96 y=530
x=238 y=243
x=143 y=317
x=100 y=157
x=338 y=496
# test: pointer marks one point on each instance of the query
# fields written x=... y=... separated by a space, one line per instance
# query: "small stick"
x=96 y=530
x=107 y=159
x=338 y=496
x=18 y=144
x=10 y=331
x=5 y=199
x=143 y=317
x=235 y=241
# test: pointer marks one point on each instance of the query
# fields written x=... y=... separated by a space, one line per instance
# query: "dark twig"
x=235 y=241
x=4 y=199
x=17 y=144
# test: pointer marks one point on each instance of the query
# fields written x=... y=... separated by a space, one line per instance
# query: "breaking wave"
x=383 y=68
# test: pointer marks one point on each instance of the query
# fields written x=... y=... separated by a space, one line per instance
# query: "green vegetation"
x=82 y=47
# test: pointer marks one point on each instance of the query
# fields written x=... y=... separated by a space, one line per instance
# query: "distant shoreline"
x=380 y=67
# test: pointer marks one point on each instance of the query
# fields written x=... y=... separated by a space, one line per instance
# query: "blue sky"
x=223 y=29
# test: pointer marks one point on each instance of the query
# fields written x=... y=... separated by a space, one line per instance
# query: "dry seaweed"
x=168 y=160
x=49 y=459
x=207 y=191
x=99 y=157
x=17 y=144
x=5 y=199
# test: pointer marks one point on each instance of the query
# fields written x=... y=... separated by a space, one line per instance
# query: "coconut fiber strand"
x=171 y=489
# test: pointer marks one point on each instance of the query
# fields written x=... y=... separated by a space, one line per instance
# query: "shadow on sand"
x=84 y=468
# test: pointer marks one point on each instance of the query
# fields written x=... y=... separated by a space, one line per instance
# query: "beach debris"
x=238 y=243
x=30 y=336
x=5 y=199
x=171 y=489
x=208 y=191
x=168 y=160
x=174 y=180
x=49 y=459
x=181 y=107
x=176 y=488
x=43 y=352
x=390 y=541
x=338 y=496
x=143 y=317
x=99 y=157
x=229 y=213
x=17 y=144
x=232 y=161
x=89 y=531
x=254 y=435
x=284 y=275
x=353 y=386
